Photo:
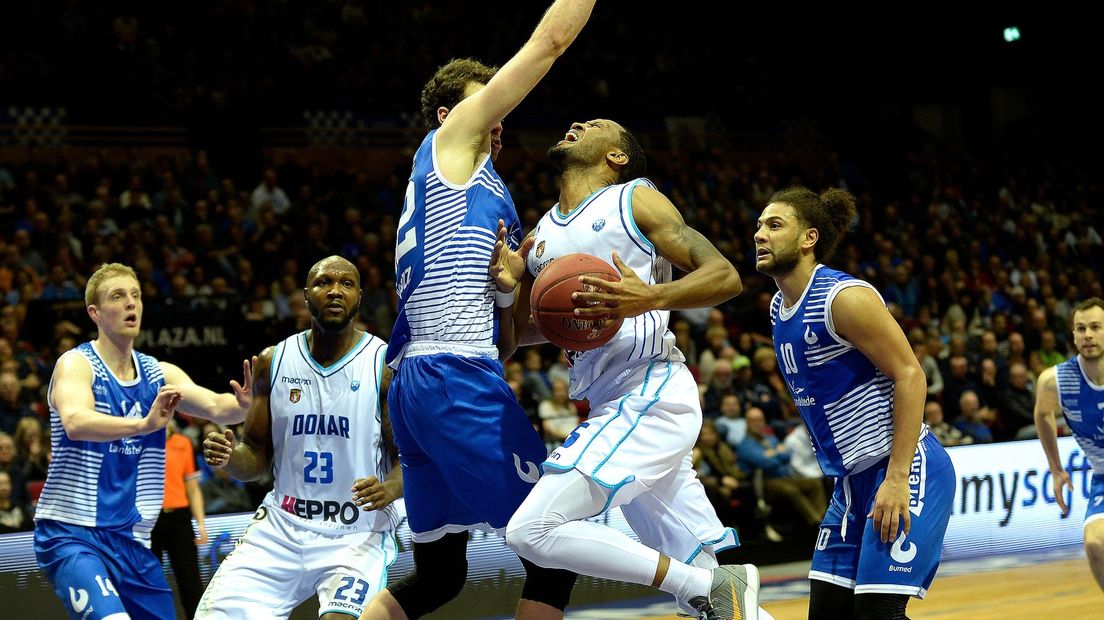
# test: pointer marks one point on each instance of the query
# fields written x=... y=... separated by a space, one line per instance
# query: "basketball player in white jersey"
x=1076 y=387
x=634 y=451
x=109 y=405
x=318 y=422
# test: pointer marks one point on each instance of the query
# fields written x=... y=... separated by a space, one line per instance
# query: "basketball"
x=554 y=310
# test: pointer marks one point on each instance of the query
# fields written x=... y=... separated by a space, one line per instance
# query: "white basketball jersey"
x=602 y=224
x=326 y=433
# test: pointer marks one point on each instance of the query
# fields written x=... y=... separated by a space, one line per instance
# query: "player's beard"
x=563 y=156
x=331 y=323
x=1094 y=356
x=783 y=261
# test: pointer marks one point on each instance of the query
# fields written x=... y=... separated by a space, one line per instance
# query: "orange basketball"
x=554 y=310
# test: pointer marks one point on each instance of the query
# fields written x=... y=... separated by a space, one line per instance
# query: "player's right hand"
x=218 y=447
x=1061 y=479
x=508 y=266
x=162 y=409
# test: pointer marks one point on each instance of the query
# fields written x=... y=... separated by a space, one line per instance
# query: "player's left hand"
x=201 y=537
x=244 y=391
x=625 y=299
x=891 y=513
x=508 y=266
x=371 y=494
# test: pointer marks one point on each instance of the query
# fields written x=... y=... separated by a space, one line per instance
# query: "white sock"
x=685 y=582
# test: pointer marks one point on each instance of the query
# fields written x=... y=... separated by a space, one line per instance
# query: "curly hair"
x=446 y=87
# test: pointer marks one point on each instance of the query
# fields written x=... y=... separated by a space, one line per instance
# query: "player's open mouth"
x=572 y=136
x=761 y=252
x=130 y=319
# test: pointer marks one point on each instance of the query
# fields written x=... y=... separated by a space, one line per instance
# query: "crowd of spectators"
x=981 y=266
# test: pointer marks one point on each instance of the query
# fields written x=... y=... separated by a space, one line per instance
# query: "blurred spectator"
x=716 y=339
x=32 y=451
x=1047 y=354
x=557 y=414
x=944 y=432
x=536 y=385
x=956 y=381
x=1017 y=404
x=12 y=407
x=270 y=194
x=731 y=424
x=803 y=459
x=15 y=516
x=974 y=419
x=726 y=484
x=927 y=363
x=222 y=494
x=13 y=467
x=761 y=450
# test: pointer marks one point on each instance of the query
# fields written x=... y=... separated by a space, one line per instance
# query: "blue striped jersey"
x=601 y=224
x=443 y=246
x=114 y=485
x=845 y=401
x=1083 y=405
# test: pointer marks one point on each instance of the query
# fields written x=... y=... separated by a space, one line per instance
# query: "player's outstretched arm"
x=860 y=317
x=710 y=280
x=226 y=408
x=253 y=455
x=470 y=121
x=1046 y=404
x=71 y=395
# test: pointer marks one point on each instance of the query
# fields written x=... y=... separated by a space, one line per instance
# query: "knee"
x=1094 y=548
x=522 y=536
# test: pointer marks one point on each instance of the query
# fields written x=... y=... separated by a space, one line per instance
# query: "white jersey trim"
x=785 y=313
x=134 y=359
x=1085 y=375
x=829 y=322
x=440 y=177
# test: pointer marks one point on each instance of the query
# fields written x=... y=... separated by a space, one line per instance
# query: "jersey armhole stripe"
x=627 y=214
x=829 y=322
x=437 y=169
x=274 y=368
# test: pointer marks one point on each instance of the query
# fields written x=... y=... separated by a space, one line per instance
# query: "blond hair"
x=108 y=270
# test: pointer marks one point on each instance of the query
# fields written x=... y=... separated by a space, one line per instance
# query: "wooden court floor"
x=1063 y=589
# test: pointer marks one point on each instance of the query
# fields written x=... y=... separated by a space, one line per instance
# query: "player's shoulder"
x=73 y=362
x=1048 y=379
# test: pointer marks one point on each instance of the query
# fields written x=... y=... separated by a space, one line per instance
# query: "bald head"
x=332 y=264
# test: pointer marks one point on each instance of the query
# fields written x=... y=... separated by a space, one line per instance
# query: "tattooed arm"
x=710 y=278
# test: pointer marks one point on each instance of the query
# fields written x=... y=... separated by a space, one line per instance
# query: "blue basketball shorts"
x=99 y=573
x=469 y=452
x=849 y=551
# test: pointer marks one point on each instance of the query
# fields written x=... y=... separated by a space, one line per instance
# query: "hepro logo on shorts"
x=345 y=512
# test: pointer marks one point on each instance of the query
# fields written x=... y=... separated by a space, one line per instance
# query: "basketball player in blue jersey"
x=318 y=422
x=634 y=450
x=109 y=405
x=860 y=391
x=1076 y=387
x=469 y=453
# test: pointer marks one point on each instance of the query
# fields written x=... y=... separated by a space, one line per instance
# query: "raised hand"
x=217 y=448
x=244 y=391
x=508 y=266
x=162 y=409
